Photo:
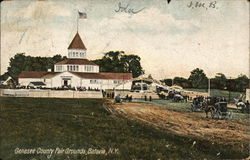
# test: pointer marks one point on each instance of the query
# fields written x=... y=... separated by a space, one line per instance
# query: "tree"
x=242 y=82
x=167 y=81
x=17 y=65
x=219 y=82
x=4 y=76
x=117 y=61
x=198 y=78
x=20 y=63
x=183 y=82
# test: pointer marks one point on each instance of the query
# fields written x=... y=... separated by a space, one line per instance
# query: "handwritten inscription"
x=204 y=5
x=127 y=9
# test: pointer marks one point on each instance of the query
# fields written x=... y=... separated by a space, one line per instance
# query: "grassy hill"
x=83 y=124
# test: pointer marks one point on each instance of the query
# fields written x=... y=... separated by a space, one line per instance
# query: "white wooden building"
x=248 y=94
x=75 y=71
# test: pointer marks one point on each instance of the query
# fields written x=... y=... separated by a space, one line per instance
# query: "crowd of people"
x=60 y=88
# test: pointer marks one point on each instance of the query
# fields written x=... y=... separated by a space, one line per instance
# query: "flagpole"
x=77 y=19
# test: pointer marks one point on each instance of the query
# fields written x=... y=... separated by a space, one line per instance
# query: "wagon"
x=177 y=98
x=221 y=111
x=197 y=105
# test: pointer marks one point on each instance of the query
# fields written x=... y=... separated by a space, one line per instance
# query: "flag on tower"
x=82 y=15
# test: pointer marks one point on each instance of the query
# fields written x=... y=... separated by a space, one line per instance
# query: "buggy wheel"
x=192 y=108
x=213 y=114
x=230 y=115
x=220 y=116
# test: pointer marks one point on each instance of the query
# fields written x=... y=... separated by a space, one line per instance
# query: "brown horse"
x=209 y=108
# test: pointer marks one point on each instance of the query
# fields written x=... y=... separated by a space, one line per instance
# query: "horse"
x=209 y=108
x=239 y=104
x=209 y=105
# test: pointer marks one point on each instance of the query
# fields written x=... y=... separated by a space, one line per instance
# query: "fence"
x=50 y=93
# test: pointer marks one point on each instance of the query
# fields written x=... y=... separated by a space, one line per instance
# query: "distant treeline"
x=113 y=61
x=118 y=61
x=198 y=79
x=20 y=62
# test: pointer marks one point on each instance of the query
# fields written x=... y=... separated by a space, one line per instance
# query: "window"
x=58 y=68
x=117 y=81
x=74 y=68
x=88 y=68
x=71 y=68
x=77 y=68
x=93 y=81
x=73 y=54
x=76 y=54
x=67 y=68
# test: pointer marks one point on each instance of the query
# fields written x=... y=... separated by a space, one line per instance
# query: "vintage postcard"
x=136 y=80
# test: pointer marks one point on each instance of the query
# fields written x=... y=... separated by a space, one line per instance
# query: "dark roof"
x=37 y=74
x=102 y=75
x=116 y=75
x=39 y=83
x=88 y=75
x=77 y=43
x=77 y=61
x=31 y=74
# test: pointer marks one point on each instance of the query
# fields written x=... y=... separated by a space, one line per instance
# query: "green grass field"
x=220 y=93
x=186 y=107
x=83 y=124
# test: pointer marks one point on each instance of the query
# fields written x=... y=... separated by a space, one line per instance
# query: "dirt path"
x=185 y=123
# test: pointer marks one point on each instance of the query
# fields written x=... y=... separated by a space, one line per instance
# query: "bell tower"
x=77 y=49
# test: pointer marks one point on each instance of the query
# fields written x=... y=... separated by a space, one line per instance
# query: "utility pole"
x=209 y=91
x=123 y=82
x=229 y=93
x=141 y=86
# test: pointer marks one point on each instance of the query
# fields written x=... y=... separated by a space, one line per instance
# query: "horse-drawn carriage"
x=178 y=98
x=220 y=111
x=244 y=107
x=215 y=105
x=198 y=104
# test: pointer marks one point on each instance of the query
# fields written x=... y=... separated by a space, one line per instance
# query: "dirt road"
x=185 y=123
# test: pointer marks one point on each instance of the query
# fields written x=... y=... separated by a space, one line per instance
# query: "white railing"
x=50 y=93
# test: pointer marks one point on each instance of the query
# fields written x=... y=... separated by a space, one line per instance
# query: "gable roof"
x=88 y=75
x=109 y=75
x=77 y=43
x=77 y=61
x=31 y=74
x=102 y=75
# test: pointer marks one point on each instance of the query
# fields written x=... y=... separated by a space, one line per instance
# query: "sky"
x=171 y=39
